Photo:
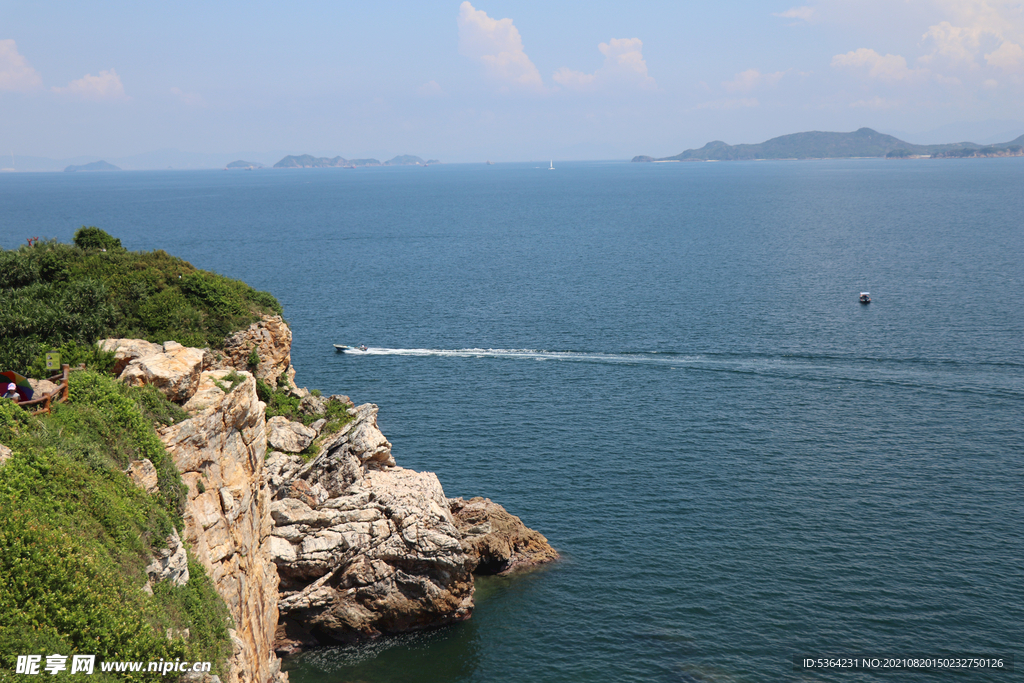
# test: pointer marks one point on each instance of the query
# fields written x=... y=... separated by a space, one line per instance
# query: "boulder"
x=170 y=563
x=5 y=454
x=290 y=437
x=272 y=340
x=363 y=548
x=143 y=473
x=175 y=371
x=313 y=405
x=496 y=541
x=127 y=350
x=363 y=438
x=42 y=387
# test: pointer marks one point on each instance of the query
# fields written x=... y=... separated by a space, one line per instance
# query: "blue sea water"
x=664 y=369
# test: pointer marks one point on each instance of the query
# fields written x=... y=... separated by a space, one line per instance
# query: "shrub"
x=94 y=238
x=54 y=294
x=76 y=533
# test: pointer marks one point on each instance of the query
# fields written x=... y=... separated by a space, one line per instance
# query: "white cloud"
x=430 y=89
x=624 y=66
x=1008 y=56
x=497 y=45
x=15 y=72
x=885 y=68
x=804 y=13
x=748 y=80
x=106 y=86
x=192 y=99
x=995 y=26
x=955 y=43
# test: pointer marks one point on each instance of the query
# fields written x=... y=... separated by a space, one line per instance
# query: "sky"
x=498 y=80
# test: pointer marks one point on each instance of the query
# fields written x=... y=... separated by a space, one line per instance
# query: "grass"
x=76 y=535
x=56 y=296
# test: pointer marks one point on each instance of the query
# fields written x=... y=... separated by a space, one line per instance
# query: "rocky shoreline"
x=343 y=547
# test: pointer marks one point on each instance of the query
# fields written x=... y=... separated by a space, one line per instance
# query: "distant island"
x=244 y=164
x=820 y=145
x=310 y=161
x=94 y=166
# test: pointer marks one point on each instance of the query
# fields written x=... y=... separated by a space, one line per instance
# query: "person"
x=12 y=393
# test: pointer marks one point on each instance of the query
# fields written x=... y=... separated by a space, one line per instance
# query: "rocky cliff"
x=345 y=546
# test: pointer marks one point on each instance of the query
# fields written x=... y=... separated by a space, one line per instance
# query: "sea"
x=665 y=369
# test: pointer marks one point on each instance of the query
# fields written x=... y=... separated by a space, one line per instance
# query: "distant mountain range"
x=310 y=161
x=94 y=166
x=860 y=143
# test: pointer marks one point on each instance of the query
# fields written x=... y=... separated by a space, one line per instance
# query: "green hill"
x=67 y=296
x=824 y=145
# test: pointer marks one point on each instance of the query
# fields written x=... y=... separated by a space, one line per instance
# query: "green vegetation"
x=76 y=534
x=280 y=402
x=233 y=379
x=56 y=296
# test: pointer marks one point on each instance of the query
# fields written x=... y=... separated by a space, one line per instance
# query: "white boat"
x=552 y=168
x=341 y=348
x=865 y=297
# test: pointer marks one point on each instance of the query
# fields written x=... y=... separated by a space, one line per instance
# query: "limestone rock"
x=170 y=563
x=127 y=350
x=496 y=541
x=272 y=340
x=290 y=437
x=363 y=438
x=208 y=391
x=143 y=473
x=5 y=454
x=313 y=405
x=220 y=453
x=175 y=371
x=363 y=548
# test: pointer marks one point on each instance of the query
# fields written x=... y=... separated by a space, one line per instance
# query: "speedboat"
x=865 y=297
x=340 y=348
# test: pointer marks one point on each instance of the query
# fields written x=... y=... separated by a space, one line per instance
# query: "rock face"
x=272 y=340
x=143 y=473
x=175 y=371
x=363 y=547
x=220 y=453
x=5 y=454
x=495 y=541
x=209 y=391
x=290 y=437
x=170 y=563
x=127 y=350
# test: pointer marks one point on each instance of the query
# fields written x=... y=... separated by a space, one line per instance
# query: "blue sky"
x=499 y=80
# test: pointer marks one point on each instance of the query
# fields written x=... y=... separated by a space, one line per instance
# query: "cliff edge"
x=328 y=548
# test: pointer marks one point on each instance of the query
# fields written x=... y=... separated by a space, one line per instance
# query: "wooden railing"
x=58 y=395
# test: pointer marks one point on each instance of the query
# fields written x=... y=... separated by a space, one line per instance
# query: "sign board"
x=53 y=361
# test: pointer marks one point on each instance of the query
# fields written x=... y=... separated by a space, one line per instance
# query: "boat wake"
x=929 y=376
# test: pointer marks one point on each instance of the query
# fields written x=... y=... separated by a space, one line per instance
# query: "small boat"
x=341 y=348
x=865 y=297
x=552 y=167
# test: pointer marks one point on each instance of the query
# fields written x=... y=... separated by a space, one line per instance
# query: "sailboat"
x=552 y=168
